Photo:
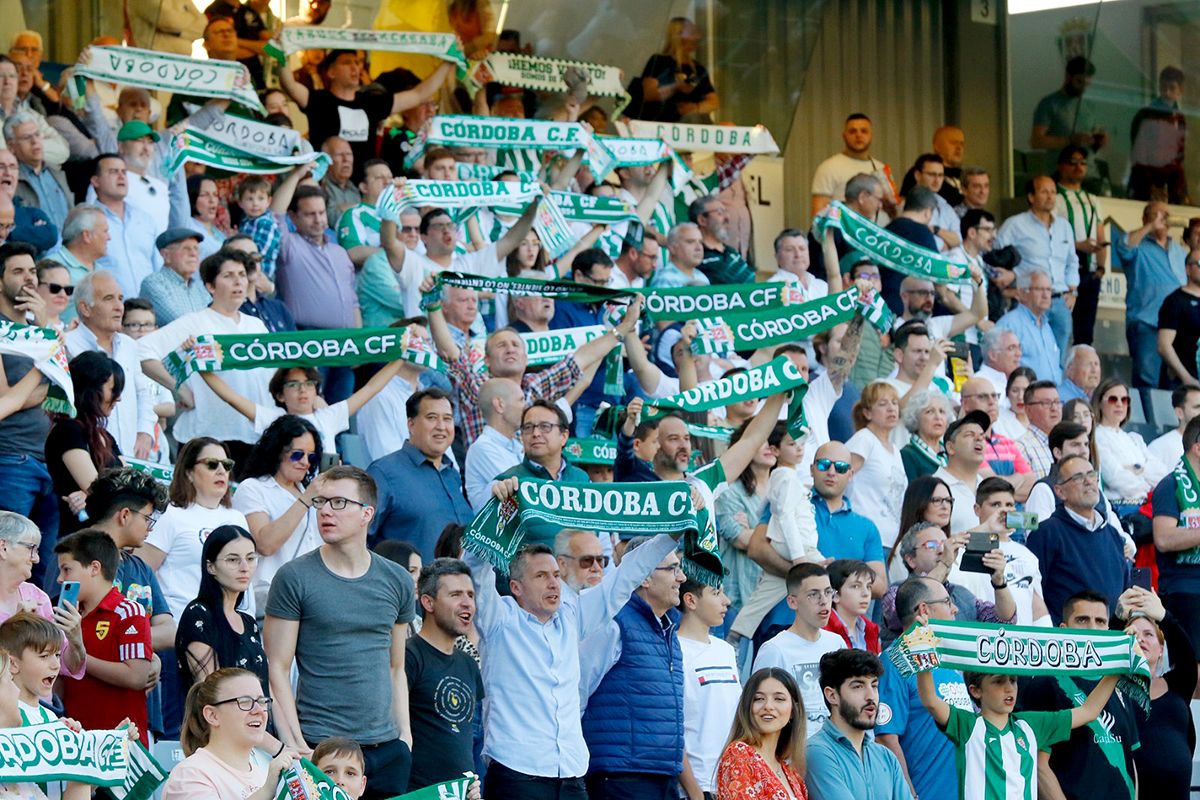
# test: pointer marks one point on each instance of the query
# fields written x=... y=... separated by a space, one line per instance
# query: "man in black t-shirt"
x=913 y=225
x=342 y=110
x=1096 y=763
x=1179 y=329
x=444 y=683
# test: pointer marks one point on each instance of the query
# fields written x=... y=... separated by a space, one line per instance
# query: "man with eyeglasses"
x=930 y=171
x=581 y=558
x=41 y=185
x=978 y=228
x=903 y=725
x=176 y=289
x=1032 y=323
x=1179 y=329
x=722 y=263
x=1078 y=207
x=1076 y=547
x=101 y=309
x=1001 y=453
x=1153 y=262
x=798 y=648
x=1044 y=409
x=30 y=224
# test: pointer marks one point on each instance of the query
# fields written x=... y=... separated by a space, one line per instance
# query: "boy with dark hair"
x=343 y=761
x=711 y=687
x=851 y=581
x=116 y=633
x=637 y=444
x=798 y=649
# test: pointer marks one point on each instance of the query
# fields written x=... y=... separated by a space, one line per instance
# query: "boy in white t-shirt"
x=711 y=686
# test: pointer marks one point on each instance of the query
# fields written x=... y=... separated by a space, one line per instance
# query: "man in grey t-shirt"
x=341 y=612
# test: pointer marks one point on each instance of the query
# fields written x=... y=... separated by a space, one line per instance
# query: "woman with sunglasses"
x=1128 y=473
x=212 y=633
x=79 y=447
x=54 y=285
x=276 y=496
x=200 y=503
x=225 y=739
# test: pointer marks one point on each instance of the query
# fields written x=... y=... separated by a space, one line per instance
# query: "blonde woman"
x=675 y=85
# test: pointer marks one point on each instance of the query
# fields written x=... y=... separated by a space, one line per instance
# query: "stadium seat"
x=1161 y=408
x=353 y=450
x=1137 y=412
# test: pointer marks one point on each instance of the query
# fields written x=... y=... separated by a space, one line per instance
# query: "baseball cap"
x=976 y=417
x=136 y=129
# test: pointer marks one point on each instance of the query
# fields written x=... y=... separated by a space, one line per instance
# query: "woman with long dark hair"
x=276 y=497
x=927 y=499
x=79 y=447
x=765 y=755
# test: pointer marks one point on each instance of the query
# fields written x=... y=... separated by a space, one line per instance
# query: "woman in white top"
x=877 y=489
x=200 y=503
x=226 y=721
x=276 y=497
x=1128 y=473
x=1013 y=422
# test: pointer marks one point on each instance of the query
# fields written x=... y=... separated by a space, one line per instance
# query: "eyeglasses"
x=587 y=562
x=301 y=384
x=213 y=463
x=1114 y=400
x=150 y=521
x=941 y=501
x=300 y=455
x=1081 y=477
x=939 y=601
x=823 y=465
x=7 y=226
x=55 y=288
x=1050 y=403
x=410 y=229
x=675 y=568
x=544 y=428
x=336 y=503
x=247 y=703
x=1192 y=263
x=233 y=562
x=32 y=547
x=817 y=595
x=932 y=544
x=990 y=396
x=140 y=326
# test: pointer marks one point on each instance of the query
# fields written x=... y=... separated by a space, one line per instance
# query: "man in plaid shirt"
x=505 y=357
x=1044 y=408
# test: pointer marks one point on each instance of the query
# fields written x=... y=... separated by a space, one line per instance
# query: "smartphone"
x=69 y=593
x=980 y=544
x=1141 y=577
x=961 y=351
x=1021 y=520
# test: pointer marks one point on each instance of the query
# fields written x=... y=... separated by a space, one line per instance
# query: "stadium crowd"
x=267 y=563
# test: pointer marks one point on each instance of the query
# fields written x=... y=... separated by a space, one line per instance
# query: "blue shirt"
x=1151 y=273
x=172 y=297
x=927 y=751
x=1174 y=576
x=837 y=772
x=1050 y=249
x=1068 y=390
x=578 y=315
x=131 y=253
x=1039 y=348
x=416 y=499
x=33 y=227
x=50 y=195
x=531 y=675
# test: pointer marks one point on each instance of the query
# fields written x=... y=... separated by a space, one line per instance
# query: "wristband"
x=280 y=750
x=1001 y=586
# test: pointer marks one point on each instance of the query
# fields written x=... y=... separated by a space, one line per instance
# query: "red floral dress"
x=744 y=775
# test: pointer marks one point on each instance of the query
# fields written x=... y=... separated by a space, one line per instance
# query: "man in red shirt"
x=121 y=664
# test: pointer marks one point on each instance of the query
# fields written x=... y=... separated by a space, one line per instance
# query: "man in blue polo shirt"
x=843 y=762
x=904 y=726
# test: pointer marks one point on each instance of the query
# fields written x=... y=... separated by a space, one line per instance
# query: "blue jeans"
x=28 y=491
x=1059 y=317
x=1143 y=352
x=630 y=786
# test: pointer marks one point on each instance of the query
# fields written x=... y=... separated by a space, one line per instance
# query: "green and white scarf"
x=497 y=532
x=163 y=473
x=303 y=781
x=142 y=778
x=465 y=130
x=591 y=450
x=343 y=347
x=769 y=327
x=456 y=789
x=192 y=145
x=559 y=290
x=546 y=347
x=639 y=152
x=710 y=432
x=936 y=458
x=886 y=248
x=584 y=208
x=546 y=75
x=168 y=72
x=45 y=348
x=294 y=39
x=53 y=752
x=464 y=194
x=683 y=303
x=709 y=138
x=487 y=172
x=1023 y=650
x=252 y=136
x=1187 y=494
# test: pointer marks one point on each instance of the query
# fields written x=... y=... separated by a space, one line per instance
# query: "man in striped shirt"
x=358 y=227
x=116 y=633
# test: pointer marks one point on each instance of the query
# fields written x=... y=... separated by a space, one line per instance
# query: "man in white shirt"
x=1168 y=448
x=979 y=233
x=202 y=412
x=101 y=308
x=792 y=263
x=636 y=264
x=832 y=174
x=798 y=649
x=498 y=447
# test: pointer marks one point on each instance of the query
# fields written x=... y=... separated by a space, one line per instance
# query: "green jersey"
x=1001 y=764
x=359 y=227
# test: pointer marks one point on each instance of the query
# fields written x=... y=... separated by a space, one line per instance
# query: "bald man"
x=498 y=447
x=1002 y=456
x=949 y=142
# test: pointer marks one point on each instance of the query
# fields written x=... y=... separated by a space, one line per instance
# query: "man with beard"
x=830 y=180
x=444 y=682
x=842 y=761
x=722 y=263
x=1063 y=117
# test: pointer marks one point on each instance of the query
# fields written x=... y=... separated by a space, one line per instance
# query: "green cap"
x=135 y=129
x=851 y=260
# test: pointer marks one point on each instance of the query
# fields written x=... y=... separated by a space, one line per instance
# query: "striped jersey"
x=358 y=227
x=117 y=629
x=1001 y=764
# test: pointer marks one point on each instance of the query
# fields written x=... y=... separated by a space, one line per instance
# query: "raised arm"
x=411 y=98
x=738 y=456
x=512 y=238
x=598 y=348
x=938 y=708
x=223 y=390
x=978 y=310
x=564 y=265
x=373 y=387
x=561 y=177
x=287 y=187
x=439 y=329
x=685 y=361
x=1095 y=702
x=294 y=89
x=833 y=265
x=645 y=209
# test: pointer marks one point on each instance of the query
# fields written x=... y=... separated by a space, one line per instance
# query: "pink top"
x=203 y=776
x=743 y=775
x=32 y=595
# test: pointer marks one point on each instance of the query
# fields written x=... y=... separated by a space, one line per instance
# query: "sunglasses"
x=55 y=288
x=586 y=562
x=1114 y=400
x=213 y=463
x=823 y=465
x=300 y=455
